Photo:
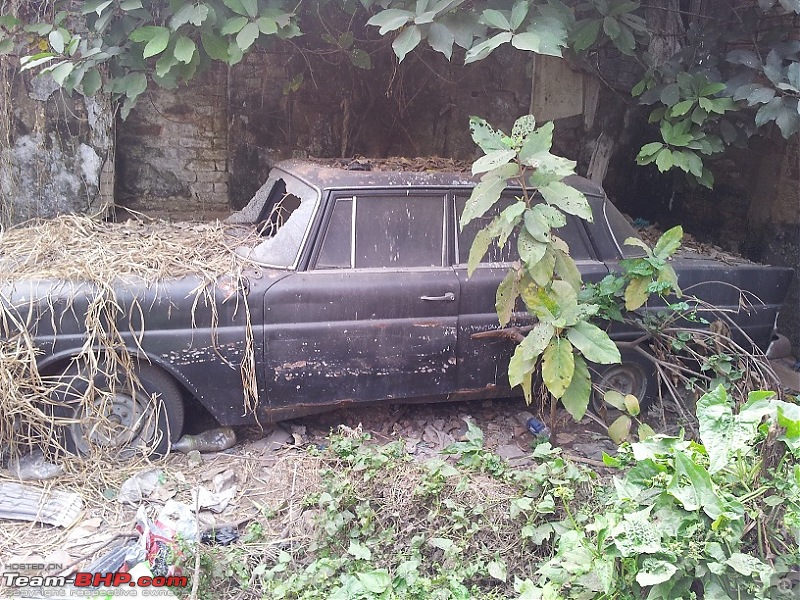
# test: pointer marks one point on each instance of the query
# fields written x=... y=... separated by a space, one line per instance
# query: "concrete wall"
x=56 y=152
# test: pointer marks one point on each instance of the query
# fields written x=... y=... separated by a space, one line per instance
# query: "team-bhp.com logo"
x=93 y=580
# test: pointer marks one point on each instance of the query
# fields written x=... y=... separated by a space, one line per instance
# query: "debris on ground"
x=213 y=440
x=139 y=486
x=33 y=467
x=26 y=503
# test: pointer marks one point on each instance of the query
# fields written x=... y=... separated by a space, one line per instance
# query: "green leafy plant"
x=713 y=519
x=563 y=340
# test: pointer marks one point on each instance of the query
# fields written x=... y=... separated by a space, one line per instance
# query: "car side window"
x=571 y=233
x=391 y=231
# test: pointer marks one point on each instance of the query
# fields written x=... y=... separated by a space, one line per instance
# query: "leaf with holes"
x=530 y=250
x=558 y=366
x=485 y=136
x=568 y=199
x=506 y=297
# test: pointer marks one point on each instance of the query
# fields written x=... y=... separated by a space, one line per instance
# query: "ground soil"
x=271 y=468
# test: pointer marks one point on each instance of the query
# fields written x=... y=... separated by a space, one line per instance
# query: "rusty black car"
x=358 y=292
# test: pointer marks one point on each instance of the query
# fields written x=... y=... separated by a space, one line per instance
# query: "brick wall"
x=172 y=151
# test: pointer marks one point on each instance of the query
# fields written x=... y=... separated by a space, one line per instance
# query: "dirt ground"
x=268 y=471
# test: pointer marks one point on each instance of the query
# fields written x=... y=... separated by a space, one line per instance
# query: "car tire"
x=149 y=420
x=635 y=374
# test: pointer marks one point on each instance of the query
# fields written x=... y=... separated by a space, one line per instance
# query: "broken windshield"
x=282 y=211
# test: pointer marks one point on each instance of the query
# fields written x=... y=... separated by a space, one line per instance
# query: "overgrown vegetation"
x=714 y=75
x=103 y=270
x=713 y=518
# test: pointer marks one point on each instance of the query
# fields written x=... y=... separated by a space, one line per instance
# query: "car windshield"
x=282 y=211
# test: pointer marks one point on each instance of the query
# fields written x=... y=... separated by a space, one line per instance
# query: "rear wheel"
x=110 y=412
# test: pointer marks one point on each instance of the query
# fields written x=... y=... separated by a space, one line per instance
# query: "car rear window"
x=572 y=233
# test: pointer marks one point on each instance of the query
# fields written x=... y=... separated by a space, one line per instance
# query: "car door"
x=374 y=317
x=483 y=361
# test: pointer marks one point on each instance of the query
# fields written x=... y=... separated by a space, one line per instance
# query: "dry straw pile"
x=109 y=257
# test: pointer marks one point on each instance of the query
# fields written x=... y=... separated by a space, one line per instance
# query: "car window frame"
x=571 y=220
x=350 y=194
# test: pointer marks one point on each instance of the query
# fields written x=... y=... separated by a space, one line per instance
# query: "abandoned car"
x=358 y=293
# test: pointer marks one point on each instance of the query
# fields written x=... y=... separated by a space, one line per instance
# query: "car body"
x=362 y=296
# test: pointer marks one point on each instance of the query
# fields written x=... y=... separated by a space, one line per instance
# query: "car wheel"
x=122 y=418
x=634 y=375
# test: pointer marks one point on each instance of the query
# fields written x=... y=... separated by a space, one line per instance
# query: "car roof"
x=331 y=174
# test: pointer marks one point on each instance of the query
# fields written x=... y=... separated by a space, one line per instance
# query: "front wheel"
x=634 y=375
x=111 y=412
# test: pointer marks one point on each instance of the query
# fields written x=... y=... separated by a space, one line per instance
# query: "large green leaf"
x=537 y=224
x=636 y=293
x=655 y=571
x=558 y=366
x=484 y=49
x=375 y=582
x=576 y=397
x=233 y=25
x=537 y=143
x=441 y=39
x=236 y=6
x=619 y=430
x=692 y=487
x=390 y=19
x=248 y=35
x=568 y=199
x=585 y=34
x=494 y=18
x=91 y=82
x=408 y=39
x=530 y=250
x=537 y=340
x=487 y=192
x=566 y=268
x=215 y=46
x=520 y=367
x=668 y=243
x=542 y=271
x=185 y=49
x=481 y=243
x=544 y=36
x=723 y=434
x=593 y=343
x=158 y=43
x=492 y=160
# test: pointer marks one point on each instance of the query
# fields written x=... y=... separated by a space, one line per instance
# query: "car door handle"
x=448 y=297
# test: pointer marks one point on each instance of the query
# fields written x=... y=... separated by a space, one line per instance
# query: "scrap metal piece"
x=27 y=503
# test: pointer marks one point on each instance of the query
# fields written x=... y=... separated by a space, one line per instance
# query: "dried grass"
x=109 y=257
